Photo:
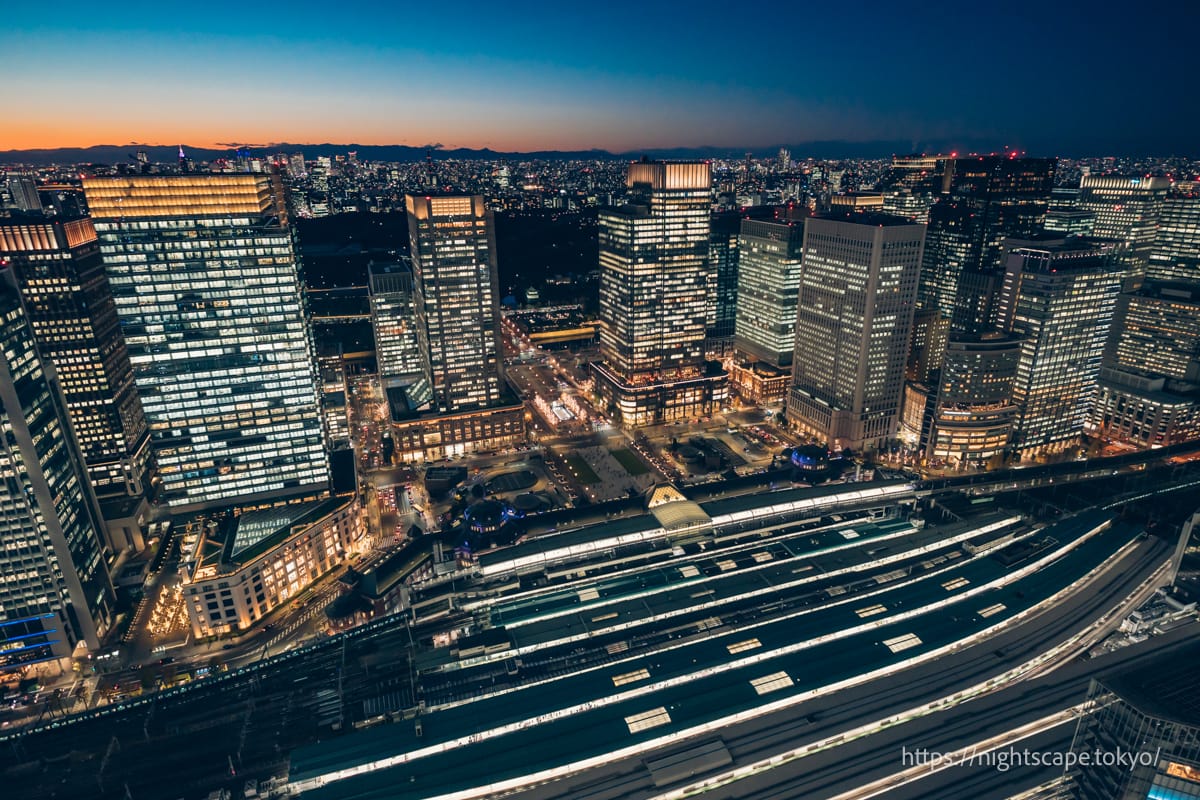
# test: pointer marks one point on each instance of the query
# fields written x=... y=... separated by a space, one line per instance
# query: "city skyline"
x=543 y=77
x=598 y=437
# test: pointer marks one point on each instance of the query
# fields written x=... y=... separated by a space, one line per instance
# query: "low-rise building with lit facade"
x=432 y=436
x=759 y=383
x=249 y=564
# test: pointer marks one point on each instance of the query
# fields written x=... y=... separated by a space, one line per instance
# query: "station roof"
x=680 y=515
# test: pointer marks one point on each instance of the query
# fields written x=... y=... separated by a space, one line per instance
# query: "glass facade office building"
x=654 y=276
x=456 y=299
x=1151 y=714
x=397 y=345
x=1127 y=210
x=768 y=291
x=55 y=593
x=1176 y=252
x=1060 y=298
x=210 y=295
x=61 y=277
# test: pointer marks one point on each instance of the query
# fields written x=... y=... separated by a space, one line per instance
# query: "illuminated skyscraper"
x=1060 y=298
x=912 y=184
x=653 y=297
x=397 y=346
x=987 y=199
x=1127 y=210
x=61 y=277
x=456 y=299
x=209 y=292
x=1176 y=252
x=55 y=593
x=331 y=368
x=858 y=284
x=722 y=283
x=971 y=421
x=768 y=288
x=1150 y=382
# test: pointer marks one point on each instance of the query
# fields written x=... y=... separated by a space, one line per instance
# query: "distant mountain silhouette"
x=116 y=154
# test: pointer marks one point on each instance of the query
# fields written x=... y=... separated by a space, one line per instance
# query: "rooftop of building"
x=872 y=218
x=256 y=532
x=411 y=416
x=1167 y=687
x=1170 y=290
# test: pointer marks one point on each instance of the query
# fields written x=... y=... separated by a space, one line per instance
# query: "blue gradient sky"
x=521 y=75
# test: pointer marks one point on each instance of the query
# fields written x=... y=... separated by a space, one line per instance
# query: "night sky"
x=1048 y=77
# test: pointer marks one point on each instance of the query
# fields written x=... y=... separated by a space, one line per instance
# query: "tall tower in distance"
x=456 y=298
x=858 y=287
x=653 y=297
x=208 y=287
x=23 y=189
x=60 y=275
x=55 y=596
x=986 y=200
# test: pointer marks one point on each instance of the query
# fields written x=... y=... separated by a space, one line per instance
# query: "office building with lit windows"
x=1059 y=298
x=331 y=372
x=210 y=295
x=24 y=192
x=653 y=298
x=456 y=309
x=1176 y=252
x=1127 y=210
x=768 y=290
x=723 y=260
x=1150 y=382
x=912 y=184
x=402 y=369
x=61 y=278
x=972 y=417
x=55 y=596
x=987 y=199
x=858 y=286
x=456 y=299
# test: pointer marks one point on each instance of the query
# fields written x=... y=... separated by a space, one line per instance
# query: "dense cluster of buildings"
x=158 y=356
